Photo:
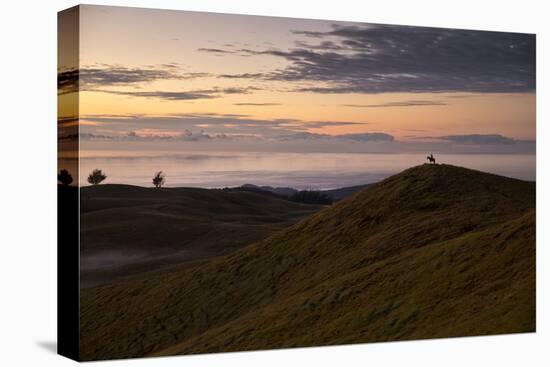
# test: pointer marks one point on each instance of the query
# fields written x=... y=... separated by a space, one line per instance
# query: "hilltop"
x=434 y=251
x=129 y=230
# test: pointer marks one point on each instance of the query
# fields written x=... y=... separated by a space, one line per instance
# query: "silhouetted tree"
x=311 y=197
x=159 y=179
x=96 y=177
x=64 y=177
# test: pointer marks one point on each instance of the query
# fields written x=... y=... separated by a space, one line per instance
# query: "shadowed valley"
x=127 y=231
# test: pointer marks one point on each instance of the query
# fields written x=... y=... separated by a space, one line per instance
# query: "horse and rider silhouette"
x=431 y=159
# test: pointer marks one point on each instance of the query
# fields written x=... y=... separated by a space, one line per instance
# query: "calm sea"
x=298 y=170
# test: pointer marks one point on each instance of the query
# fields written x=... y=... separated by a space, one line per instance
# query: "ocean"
x=298 y=170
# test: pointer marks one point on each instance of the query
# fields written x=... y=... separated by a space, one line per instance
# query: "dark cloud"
x=491 y=139
x=180 y=96
x=410 y=103
x=170 y=96
x=312 y=34
x=67 y=121
x=461 y=96
x=477 y=139
x=368 y=137
x=67 y=81
x=386 y=58
x=319 y=124
x=153 y=135
x=118 y=75
x=243 y=132
x=186 y=135
x=214 y=50
x=243 y=76
x=68 y=137
x=110 y=116
x=256 y=104
x=210 y=123
x=324 y=45
x=201 y=135
x=90 y=136
x=236 y=90
x=210 y=115
x=360 y=137
x=215 y=120
x=93 y=77
x=233 y=127
x=173 y=65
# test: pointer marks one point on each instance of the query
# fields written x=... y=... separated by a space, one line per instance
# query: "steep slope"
x=127 y=230
x=434 y=251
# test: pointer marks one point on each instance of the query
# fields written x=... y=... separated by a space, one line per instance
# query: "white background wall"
x=28 y=169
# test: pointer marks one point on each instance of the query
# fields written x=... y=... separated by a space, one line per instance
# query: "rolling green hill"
x=128 y=230
x=435 y=251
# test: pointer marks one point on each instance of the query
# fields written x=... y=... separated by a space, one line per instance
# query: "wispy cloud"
x=477 y=139
x=214 y=50
x=118 y=75
x=95 y=77
x=171 y=96
x=148 y=134
x=320 y=124
x=368 y=137
x=67 y=81
x=237 y=132
x=410 y=103
x=67 y=121
x=256 y=104
x=244 y=76
x=181 y=95
x=359 y=137
x=211 y=123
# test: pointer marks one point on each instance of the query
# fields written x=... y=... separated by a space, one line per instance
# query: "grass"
x=435 y=251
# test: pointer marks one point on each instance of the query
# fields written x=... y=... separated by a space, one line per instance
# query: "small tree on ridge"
x=64 y=177
x=159 y=179
x=96 y=177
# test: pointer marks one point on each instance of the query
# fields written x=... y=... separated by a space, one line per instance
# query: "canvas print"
x=236 y=183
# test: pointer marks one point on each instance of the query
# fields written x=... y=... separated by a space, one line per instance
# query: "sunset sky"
x=175 y=80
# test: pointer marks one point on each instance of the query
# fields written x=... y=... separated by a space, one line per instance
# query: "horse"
x=431 y=158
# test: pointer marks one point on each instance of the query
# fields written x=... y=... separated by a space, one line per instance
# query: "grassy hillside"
x=435 y=251
x=126 y=230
